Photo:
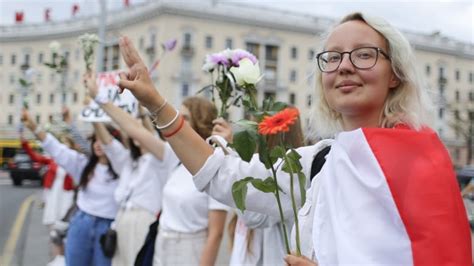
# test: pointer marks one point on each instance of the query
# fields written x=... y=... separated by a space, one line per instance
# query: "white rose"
x=246 y=73
x=54 y=46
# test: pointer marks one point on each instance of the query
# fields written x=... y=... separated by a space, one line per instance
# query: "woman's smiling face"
x=358 y=94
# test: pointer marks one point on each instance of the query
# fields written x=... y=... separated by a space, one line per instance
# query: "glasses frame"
x=379 y=50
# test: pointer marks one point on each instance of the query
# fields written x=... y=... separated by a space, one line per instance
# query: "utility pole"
x=102 y=32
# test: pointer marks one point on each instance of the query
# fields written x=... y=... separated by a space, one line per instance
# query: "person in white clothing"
x=95 y=200
x=139 y=192
x=364 y=206
x=192 y=223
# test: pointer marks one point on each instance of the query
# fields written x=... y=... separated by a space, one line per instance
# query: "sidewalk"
x=35 y=249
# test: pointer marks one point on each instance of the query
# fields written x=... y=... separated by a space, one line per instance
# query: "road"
x=11 y=201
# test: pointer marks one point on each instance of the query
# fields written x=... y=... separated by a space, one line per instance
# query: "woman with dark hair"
x=192 y=223
x=95 y=200
x=139 y=191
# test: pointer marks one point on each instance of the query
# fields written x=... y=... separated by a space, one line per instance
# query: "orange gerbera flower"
x=279 y=122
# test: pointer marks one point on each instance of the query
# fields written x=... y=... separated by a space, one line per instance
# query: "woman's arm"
x=35 y=156
x=126 y=122
x=31 y=125
x=102 y=133
x=215 y=231
x=139 y=83
x=83 y=144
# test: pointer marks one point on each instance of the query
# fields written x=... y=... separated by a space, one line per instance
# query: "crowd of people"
x=384 y=194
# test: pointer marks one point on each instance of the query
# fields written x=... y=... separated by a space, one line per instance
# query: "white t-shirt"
x=185 y=209
x=141 y=183
x=98 y=197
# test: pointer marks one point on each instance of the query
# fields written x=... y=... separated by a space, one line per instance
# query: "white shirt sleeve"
x=256 y=220
x=118 y=155
x=72 y=161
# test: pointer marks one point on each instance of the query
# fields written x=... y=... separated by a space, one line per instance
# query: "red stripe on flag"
x=421 y=179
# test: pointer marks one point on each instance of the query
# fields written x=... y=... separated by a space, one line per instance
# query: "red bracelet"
x=181 y=123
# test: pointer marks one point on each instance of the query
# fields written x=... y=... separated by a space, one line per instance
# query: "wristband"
x=181 y=124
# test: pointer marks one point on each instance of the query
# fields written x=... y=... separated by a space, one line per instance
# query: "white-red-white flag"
x=390 y=197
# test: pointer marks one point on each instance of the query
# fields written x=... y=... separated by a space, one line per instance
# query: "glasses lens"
x=364 y=57
x=329 y=61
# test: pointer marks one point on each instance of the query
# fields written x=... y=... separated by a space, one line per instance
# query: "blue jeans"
x=82 y=240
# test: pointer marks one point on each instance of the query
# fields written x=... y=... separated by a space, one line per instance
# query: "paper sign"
x=107 y=83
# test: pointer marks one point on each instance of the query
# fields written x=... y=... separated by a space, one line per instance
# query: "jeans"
x=82 y=240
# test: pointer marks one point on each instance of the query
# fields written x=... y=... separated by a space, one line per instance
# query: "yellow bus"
x=9 y=147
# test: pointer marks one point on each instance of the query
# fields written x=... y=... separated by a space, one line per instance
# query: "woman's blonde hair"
x=408 y=103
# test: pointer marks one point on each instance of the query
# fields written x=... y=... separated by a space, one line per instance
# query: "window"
x=440 y=113
x=75 y=97
x=254 y=48
x=441 y=72
x=13 y=59
x=471 y=77
x=457 y=74
x=11 y=99
x=292 y=99
x=271 y=53
x=311 y=54
x=1 y=59
x=457 y=95
x=428 y=70
x=309 y=101
x=38 y=119
x=187 y=39
x=38 y=98
x=228 y=43
x=39 y=78
x=111 y=57
x=208 y=42
x=63 y=97
x=26 y=59
x=10 y=120
x=294 y=53
x=40 y=58
x=184 y=89
x=471 y=96
x=456 y=114
x=293 y=76
x=51 y=98
x=12 y=78
x=77 y=54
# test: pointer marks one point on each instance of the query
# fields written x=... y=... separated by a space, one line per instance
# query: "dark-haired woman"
x=95 y=200
x=139 y=191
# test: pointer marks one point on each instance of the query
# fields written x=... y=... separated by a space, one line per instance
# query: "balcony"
x=187 y=51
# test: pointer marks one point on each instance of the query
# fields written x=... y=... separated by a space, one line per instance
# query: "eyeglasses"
x=361 y=58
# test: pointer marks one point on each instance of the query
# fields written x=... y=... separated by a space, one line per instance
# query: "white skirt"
x=174 y=248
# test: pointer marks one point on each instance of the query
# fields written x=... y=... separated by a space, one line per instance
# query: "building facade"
x=284 y=42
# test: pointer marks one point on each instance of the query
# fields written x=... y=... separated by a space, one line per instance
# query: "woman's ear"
x=394 y=81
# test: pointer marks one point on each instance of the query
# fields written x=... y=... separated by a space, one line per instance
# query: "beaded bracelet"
x=181 y=123
x=169 y=123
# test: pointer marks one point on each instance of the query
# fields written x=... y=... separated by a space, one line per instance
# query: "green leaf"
x=24 y=83
x=302 y=181
x=293 y=160
x=267 y=186
x=278 y=106
x=245 y=144
x=263 y=152
x=239 y=192
x=276 y=153
x=247 y=124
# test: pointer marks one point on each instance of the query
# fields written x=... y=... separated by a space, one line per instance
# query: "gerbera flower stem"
x=293 y=204
x=282 y=217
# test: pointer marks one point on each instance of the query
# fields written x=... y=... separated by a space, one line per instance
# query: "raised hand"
x=90 y=83
x=223 y=129
x=27 y=121
x=137 y=79
x=66 y=115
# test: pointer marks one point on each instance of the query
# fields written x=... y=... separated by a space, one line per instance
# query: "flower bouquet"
x=59 y=61
x=88 y=42
x=234 y=74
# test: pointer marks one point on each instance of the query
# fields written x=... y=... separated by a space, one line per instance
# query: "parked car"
x=21 y=167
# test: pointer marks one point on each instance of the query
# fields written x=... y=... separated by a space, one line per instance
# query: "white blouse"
x=185 y=209
x=141 y=183
x=98 y=197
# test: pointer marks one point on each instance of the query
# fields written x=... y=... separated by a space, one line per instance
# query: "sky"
x=453 y=18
